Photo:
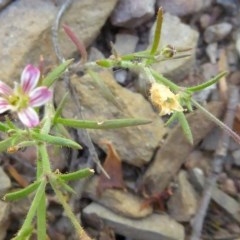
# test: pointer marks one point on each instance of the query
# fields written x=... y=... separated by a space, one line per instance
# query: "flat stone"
x=217 y=32
x=132 y=13
x=176 y=148
x=108 y=100
x=23 y=43
x=173 y=30
x=119 y=201
x=183 y=204
x=125 y=43
x=5 y=182
x=86 y=21
x=154 y=227
x=183 y=7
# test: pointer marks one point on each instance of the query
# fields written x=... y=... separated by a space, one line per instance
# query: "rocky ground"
x=163 y=175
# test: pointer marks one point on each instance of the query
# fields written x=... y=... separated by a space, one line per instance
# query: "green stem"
x=164 y=81
x=80 y=231
x=31 y=212
x=41 y=219
x=43 y=155
x=223 y=126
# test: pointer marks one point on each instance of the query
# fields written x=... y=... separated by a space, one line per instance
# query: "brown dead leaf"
x=17 y=176
x=113 y=166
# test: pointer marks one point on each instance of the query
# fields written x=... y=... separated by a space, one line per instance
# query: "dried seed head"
x=166 y=101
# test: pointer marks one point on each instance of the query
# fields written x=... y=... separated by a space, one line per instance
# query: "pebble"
x=212 y=52
x=228 y=186
x=205 y=20
x=217 y=32
x=234 y=78
x=183 y=7
x=183 y=203
x=132 y=13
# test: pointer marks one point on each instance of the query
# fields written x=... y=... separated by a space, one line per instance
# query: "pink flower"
x=24 y=97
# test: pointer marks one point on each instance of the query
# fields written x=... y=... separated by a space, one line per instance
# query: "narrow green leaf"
x=55 y=140
x=21 y=193
x=32 y=211
x=106 y=63
x=60 y=106
x=82 y=173
x=157 y=33
x=65 y=186
x=207 y=84
x=4 y=127
x=107 y=124
x=5 y=144
x=185 y=126
x=56 y=73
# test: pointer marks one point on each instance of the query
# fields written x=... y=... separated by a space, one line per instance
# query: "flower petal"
x=29 y=78
x=5 y=89
x=29 y=117
x=4 y=105
x=39 y=96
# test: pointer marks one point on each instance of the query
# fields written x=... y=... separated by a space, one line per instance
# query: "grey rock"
x=86 y=21
x=4 y=219
x=119 y=201
x=5 y=183
x=154 y=227
x=217 y=32
x=180 y=36
x=183 y=7
x=24 y=42
x=197 y=178
x=132 y=13
x=108 y=100
x=183 y=203
x=212 y=52
x=125 y=43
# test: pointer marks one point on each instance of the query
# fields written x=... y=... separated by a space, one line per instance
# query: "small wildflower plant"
x=25 y=99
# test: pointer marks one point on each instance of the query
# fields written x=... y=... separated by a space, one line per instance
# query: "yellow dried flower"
x=166 y=101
